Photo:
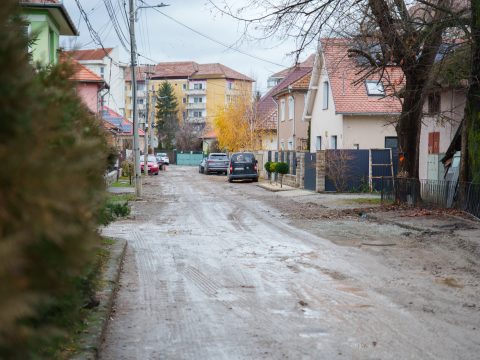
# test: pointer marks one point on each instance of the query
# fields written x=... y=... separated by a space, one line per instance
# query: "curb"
x=91 y=340
x=269 y=188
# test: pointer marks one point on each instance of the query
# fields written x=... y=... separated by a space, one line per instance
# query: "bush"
x=267 y=167
x=53 y=154
x=282 y=168
x=113 y=210
x=128 y=169
x=273 y=167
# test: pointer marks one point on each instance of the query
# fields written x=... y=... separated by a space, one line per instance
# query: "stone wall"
x=320 y=165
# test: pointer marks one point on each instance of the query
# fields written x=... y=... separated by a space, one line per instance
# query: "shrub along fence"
x=463 y=196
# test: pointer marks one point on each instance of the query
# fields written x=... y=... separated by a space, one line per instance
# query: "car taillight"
x=255 y=167
x=231 y=168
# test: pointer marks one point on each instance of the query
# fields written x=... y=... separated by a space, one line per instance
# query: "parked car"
x=201 y=166
x=162 y=158
x=152 y=164
x=216 y=163
x=243 y=165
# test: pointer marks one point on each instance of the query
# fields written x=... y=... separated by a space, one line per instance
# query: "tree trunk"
x=409 y=126
x=470 y=164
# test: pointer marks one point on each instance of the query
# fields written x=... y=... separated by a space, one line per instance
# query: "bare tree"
x=402 y=33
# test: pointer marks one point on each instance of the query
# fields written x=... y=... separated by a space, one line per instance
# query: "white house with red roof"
x=346 y=113
x=106 y=64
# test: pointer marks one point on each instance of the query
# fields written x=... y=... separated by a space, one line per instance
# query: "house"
x=200 y=89
x=88 y=84
x=292 y=130
x=346 y=113
x=106 y=64
x=267 y=107
x=46 y=21
x=124 y=136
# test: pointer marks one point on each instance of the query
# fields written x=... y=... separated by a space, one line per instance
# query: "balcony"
x=196 y=91
x=139 y=106
x=196 y=120
x=196 y=106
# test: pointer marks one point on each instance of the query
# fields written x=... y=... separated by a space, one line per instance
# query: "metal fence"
x=435 y=193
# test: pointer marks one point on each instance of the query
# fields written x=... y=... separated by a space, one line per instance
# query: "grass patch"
x=364 y=201
x=69 y=344
x=122 y=182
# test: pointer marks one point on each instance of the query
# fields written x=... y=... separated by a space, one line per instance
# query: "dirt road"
x=219 y=271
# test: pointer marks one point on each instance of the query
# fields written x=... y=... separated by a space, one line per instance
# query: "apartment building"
x=202 y=89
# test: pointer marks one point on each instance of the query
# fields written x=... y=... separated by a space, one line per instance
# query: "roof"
x=191 y=69
x=210 y=135
x=89 y=54
x=120 y=122
x=298 y=79
x=266 y=108
x=81 y=73
x=308 y=62
x=57 y=11
x=350 y=97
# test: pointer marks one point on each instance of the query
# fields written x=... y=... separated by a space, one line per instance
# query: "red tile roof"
x=90 y=54
x=190 y=69
x=81 y=73
x=343 y=72
x=266 y=108
x=308 y=62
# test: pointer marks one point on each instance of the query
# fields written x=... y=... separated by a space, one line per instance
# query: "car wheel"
x=255 y=180
x=230 y=180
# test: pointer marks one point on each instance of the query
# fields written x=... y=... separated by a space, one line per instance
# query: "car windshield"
x=161 y=154
x=151 y=158
x=243 y=157
x=218 y=157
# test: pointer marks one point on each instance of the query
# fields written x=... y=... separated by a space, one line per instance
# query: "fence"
x=436 y=193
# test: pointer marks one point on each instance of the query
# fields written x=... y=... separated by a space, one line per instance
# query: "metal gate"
x=189 y=159
x=310 y=178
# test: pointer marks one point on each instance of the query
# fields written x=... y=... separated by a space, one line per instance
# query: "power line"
x=118 y=29
x=231 y=47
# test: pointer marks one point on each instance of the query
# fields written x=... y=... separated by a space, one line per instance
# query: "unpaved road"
x=218 y=271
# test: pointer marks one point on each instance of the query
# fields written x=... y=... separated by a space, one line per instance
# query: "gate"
x=189 y=159
x=310 y=177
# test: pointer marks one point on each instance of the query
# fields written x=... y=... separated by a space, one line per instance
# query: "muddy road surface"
x=217 y=271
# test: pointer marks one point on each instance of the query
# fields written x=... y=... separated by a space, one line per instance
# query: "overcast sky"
x=161 y=39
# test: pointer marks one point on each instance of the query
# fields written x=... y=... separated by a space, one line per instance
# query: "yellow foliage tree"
x=236 y=126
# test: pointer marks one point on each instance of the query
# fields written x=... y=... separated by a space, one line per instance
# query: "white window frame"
x=282 y=110
x=318 y=143
x=325 y=95
x=291 y=107
x=333 y=142
x=374 y=88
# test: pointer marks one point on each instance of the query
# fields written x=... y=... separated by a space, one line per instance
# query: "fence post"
x=320 y=170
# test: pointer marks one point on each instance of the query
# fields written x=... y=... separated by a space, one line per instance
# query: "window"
x=197 y=99
x=102 y=71
x=325 y=95
x=434 y=103
x=282 y=146
x=290 y=144
x=184 y=100
x=197 y=114
x=356 y=146
x=198 y=86
x=184 y=115
x=318 y=143
x=391 y=142
x=291 y=107
x=184 y=86
x=434 y=142
x=333 y=142
x=374 y=88
x=282 y=110
x=230 y=85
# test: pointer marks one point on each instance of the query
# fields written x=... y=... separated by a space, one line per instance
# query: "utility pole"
x=146 y=126
x=133 y=65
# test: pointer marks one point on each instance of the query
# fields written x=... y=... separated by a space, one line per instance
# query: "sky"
x=162 y=39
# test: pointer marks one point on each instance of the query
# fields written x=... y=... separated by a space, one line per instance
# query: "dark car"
x=216 y=163
x=243 y=166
